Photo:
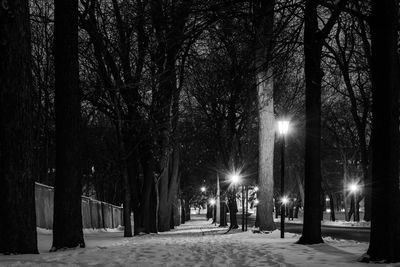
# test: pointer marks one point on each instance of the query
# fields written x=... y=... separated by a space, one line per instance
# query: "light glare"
x=285 y=200
x=212 y=202
x=353 y=188
x=283 y=127
x=235 y=178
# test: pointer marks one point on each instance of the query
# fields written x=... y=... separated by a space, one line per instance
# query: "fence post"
x=112 y=216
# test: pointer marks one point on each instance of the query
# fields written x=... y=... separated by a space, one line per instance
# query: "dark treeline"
x=141 y=102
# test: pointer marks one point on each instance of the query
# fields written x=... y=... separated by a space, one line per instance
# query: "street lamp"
x=283 y=128
x=203 y=189
x=353 y=189
x=236 y=179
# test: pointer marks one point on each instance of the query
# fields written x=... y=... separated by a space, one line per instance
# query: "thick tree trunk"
x=67 y=226
x=300 y=186
x=187 y=210
x=135 y=187
x=385 y=219
x=266 y=132
x=149 y=200
x=17 y=197
x=127 y=201
x=164 y=211
x=313 y=75
x=183 y=211
x=233 y=209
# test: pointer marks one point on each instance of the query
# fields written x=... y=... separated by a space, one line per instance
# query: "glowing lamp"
x=353 y=188
x=283 y=127
x=235 y=178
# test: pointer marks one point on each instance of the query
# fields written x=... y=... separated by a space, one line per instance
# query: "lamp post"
x=203 y=189
x=283 y=127
x=235 y=179
x=353 y=189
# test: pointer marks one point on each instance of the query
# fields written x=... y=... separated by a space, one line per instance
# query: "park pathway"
x=196 y=243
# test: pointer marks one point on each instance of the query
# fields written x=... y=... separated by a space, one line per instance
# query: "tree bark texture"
x=67 y=228
x=313 y=75
x=17 y=196
x=385 y=219
x=266 y=132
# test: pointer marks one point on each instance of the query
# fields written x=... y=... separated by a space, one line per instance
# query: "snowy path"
x=196 y=243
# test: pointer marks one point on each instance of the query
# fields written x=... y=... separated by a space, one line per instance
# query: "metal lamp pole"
x=242 y=207
x=283 y=186
x=247 y=203
x=283 y=127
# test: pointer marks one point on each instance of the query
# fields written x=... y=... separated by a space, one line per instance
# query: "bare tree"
x=265 y=88
x=67 y=224
x=313 y=41
x=17 y=195
x=385 y=219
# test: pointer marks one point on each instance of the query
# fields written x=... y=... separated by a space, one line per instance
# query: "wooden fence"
x=95 y=214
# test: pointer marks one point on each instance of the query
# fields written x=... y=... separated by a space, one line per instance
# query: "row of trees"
x=140 y=101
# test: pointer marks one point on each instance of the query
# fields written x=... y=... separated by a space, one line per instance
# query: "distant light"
x=285 y=200
x=353 y=187
x=256 y=201
x=328 y=210
x=212 y=202
x=256 y=188
x=235 y=178
x=283 y=127
x=203 y=189
x=327 y=199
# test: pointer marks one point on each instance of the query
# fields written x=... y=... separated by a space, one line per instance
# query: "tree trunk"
x=135 y=187
x=127 y=201
x=332 y=207
x=183 y=211
x=148 y=201
x=345 y=191
x=187 y=210
x=266 y=133
x=17 y=197
x=233 y=209
x=301 y=186
x=312 y=165
x=67 y=225
x=174 y=181
x=385 y=219
x=164 y=211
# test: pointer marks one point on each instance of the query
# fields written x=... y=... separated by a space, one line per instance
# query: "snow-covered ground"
x=337 y=223
x=196 y=243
